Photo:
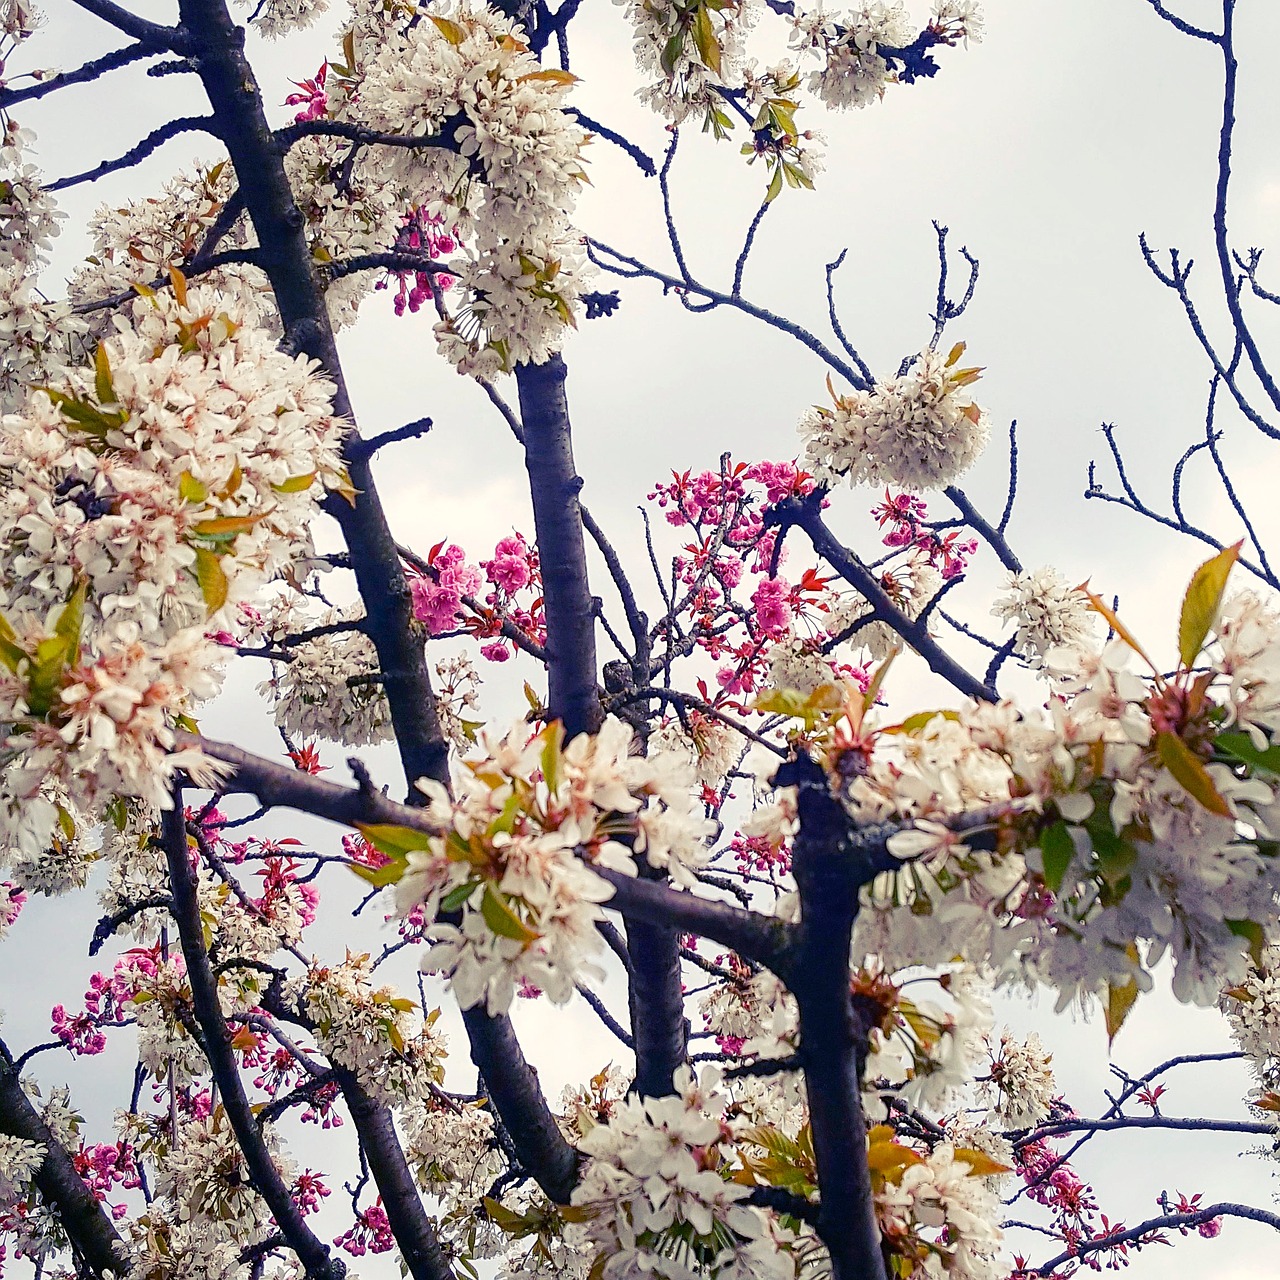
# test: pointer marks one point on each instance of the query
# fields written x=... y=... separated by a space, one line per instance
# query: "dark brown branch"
x=806 y=514
x=140 y=151
x=161 y=39
x=833 y=1037
x=554 y=486
x=79 y=75
x=312 y=1252
x=286 y=258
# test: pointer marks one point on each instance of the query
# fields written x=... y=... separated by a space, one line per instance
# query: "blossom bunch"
x=921 y=430
x=655 y=1196
x=373 y=1031
x=507 y=887
x=1046 y=612
x=499 y=161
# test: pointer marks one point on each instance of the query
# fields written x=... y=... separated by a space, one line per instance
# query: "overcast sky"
x=1046 y=150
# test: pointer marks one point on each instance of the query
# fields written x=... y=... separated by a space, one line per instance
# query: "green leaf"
x=212 y=579
x=102 y=383
x=500 y=917
x=1240 y=747
x=552 y=748
x=670 y=52
x=1203 y=600
x=70 y=623
x=458 y=895
x=1058 y=849
x=1251 y=931
x=1189 y=770
x=394 y=841
x=224 y=528
x=389 y=873
x=775 y=186
x=913 y=724
x=704 y=36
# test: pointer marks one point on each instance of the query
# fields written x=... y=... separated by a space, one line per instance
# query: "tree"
x=845 y=877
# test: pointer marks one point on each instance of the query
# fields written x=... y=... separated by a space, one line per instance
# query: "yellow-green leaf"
x=552 y=74
x=1057 y=849
x=452 y=31
x=296 y=484
x=500 y=917
x=1120 y=1002
x=1099 y=605
x=395 y=841
x=212 y=579
x=70 y=621
x=980 y=1164
x=191 y=489
x=389 y=873
x=102 y=376
x=704 y=36
x=1203 y=600
x=1189 y=770
x=224 y=527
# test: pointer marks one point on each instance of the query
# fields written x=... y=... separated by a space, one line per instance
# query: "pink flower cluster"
x=12 y=900
x=906 y=514
x=371 y=1233
x=311 y=96
x=437 y=594
x=105 y=1004
x=420 y=232
x=105 y=1166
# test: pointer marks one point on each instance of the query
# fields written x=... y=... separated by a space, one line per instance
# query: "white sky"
x=1047 y=149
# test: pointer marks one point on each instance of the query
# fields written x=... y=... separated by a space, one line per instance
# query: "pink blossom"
x=495 y=651
x=772 y=600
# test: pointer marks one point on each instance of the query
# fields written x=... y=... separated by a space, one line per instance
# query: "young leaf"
x=980 y=1164
x=296 y=484
x=394 y=841
x=704 y=36
x=452 y=31
x=1099 y=605
x=1189 y=770
x=1240 y=747
x=500 y=917
x=1120 y=1002
x=212 y=579
x=1251 y=931
x=1203 y=600
x=1058 y=849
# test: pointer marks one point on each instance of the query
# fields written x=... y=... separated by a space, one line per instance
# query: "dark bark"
x=554 y=485
x=92 y=1235
x=284 y=256
x=512 y=1086
x=833 y=1040
x=656 y=999
x=312 y=1252
x=415 y=1236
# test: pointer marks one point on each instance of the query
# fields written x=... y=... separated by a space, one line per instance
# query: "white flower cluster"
x=1047 y=612
x=276 y=18
x=452 y=1151
x=1020 y=1086
x=940 y=1193
x=37 y=335
x=918 y=431
x=711 y=746
x=852 y=72
x=374 y=1032
x=138 y=241
x=508 y=183
x=1252 y=1007
x=685 y=61
x=20 y=1160
x=656 y=1198
x=141 y=499
x=525 y=821
x=1162 y=860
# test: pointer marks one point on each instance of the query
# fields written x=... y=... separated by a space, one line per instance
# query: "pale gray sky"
x=1046 y=149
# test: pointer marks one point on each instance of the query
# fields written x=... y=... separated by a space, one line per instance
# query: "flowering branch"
x=312 y=1252
x=805 y=513
x=1134 y=1235
x=79 y=1213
